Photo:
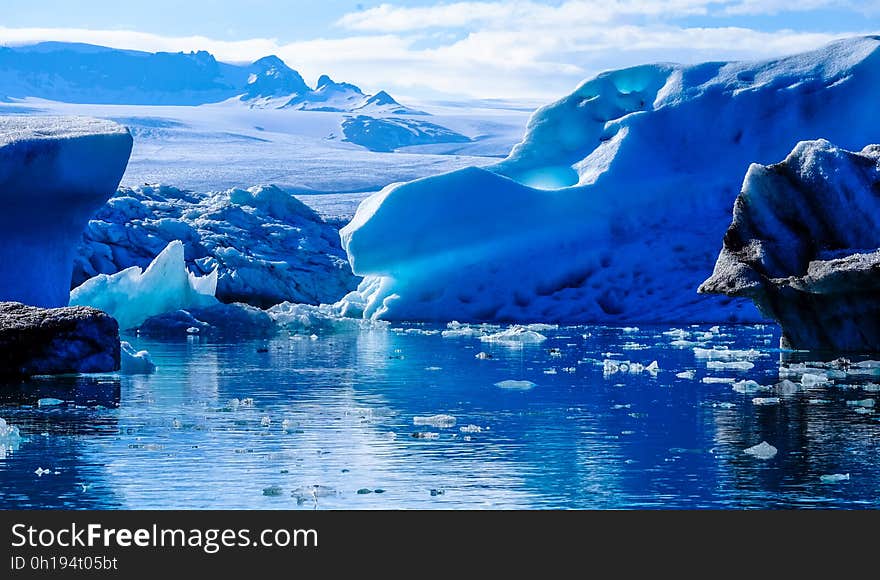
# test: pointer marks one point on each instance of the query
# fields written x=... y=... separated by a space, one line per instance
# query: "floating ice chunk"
x=515 y=385
x=135 y=362
x=834 y=477
x=439 y=421
x=812 y=379
x=433 y=369
x=483 y=356
x=739 y=365
x=265 y=422
x=718 y=380
x=748 y=387
x=49 y=402
x=817 y=401
x=471 y=429
x=724 y=353
x=863 y=411
x=765 y=401
x=786 y=387
x=515 y=335
x=725 y=405
x=630 y=329
x=690 y=374
x=610 y=367
x=457 y=329
x=133 y=295
x=40 y=472
x=870 y=387
x=425 y=435
x=861 y=403
x=762 y=450
x=10 y=438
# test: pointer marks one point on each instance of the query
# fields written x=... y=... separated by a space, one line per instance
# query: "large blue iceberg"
x=612 y=207
x=55 y=172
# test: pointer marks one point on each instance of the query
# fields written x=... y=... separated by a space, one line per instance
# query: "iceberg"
x=134 y=295
x=762 y=450
x=135 y=362
x=55 y=172
x=608 y=210
x=803 y=245
x=266 y=246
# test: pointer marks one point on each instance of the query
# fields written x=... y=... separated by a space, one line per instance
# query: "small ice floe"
x=629 y=329
x=610 y=367
x=515 y=385
x=10 y=438
x=717 y=380
x=265 y=422
x=456 y=329
x=40 y=472
x=785 y=387
x=765 y=401
x=762 y=450
x=193 y=330
x=814 y=379
x=724 y=353
x=439 y=421
x=725 y=405
x=748 y=387
x=425 y=435
x=818 y=401
x=864 y=403
x=863 y=411
x=433 y=369
x=870 y=387
x=676 y=333
x=834 y=477
x=483 y=356
x=135 y=362
x=737 y=365
x=49 y=402
x=550 y=371
x=515 y=336
x=555 y=352
x=472 y=429
x=634 y=346
x=690 y=374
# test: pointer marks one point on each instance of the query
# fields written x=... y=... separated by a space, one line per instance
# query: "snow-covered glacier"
x=265 y=245
x=613 y=206
x=55 y=172
x=804 y=245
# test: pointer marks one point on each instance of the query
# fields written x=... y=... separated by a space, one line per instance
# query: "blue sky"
x=483 y=49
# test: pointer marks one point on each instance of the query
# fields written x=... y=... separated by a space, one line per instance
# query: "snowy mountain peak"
x=271 y=77
x=324 y=80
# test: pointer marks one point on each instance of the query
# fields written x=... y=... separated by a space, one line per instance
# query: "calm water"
x=329 y=423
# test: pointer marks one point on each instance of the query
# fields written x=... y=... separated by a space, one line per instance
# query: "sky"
x=510 y=49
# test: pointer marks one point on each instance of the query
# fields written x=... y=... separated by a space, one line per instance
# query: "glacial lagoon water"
x=338 y=421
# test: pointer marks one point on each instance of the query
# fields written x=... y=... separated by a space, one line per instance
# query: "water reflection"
x=296 y=422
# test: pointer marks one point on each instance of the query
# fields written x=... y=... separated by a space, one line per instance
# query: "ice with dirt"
x=134 y=295
x=592 y=217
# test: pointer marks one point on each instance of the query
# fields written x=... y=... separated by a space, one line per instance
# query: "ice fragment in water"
x=691 y=374
x=834 y=477
x=515 y=385
x=439 y=421
x=762 y=450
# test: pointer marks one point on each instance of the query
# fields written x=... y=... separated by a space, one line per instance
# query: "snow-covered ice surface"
x=316 y=416
x=220 y=146
x=614 y=205
x=55 y=172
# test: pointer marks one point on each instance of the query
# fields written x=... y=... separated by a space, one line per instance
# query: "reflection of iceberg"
x=133 y=295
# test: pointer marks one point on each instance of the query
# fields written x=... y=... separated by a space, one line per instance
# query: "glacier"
x=55 y=172
x=266 y=246
x=803 y=245
x=611 y=208
x=134 y=295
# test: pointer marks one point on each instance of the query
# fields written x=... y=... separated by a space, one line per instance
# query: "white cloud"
x=506 y=49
